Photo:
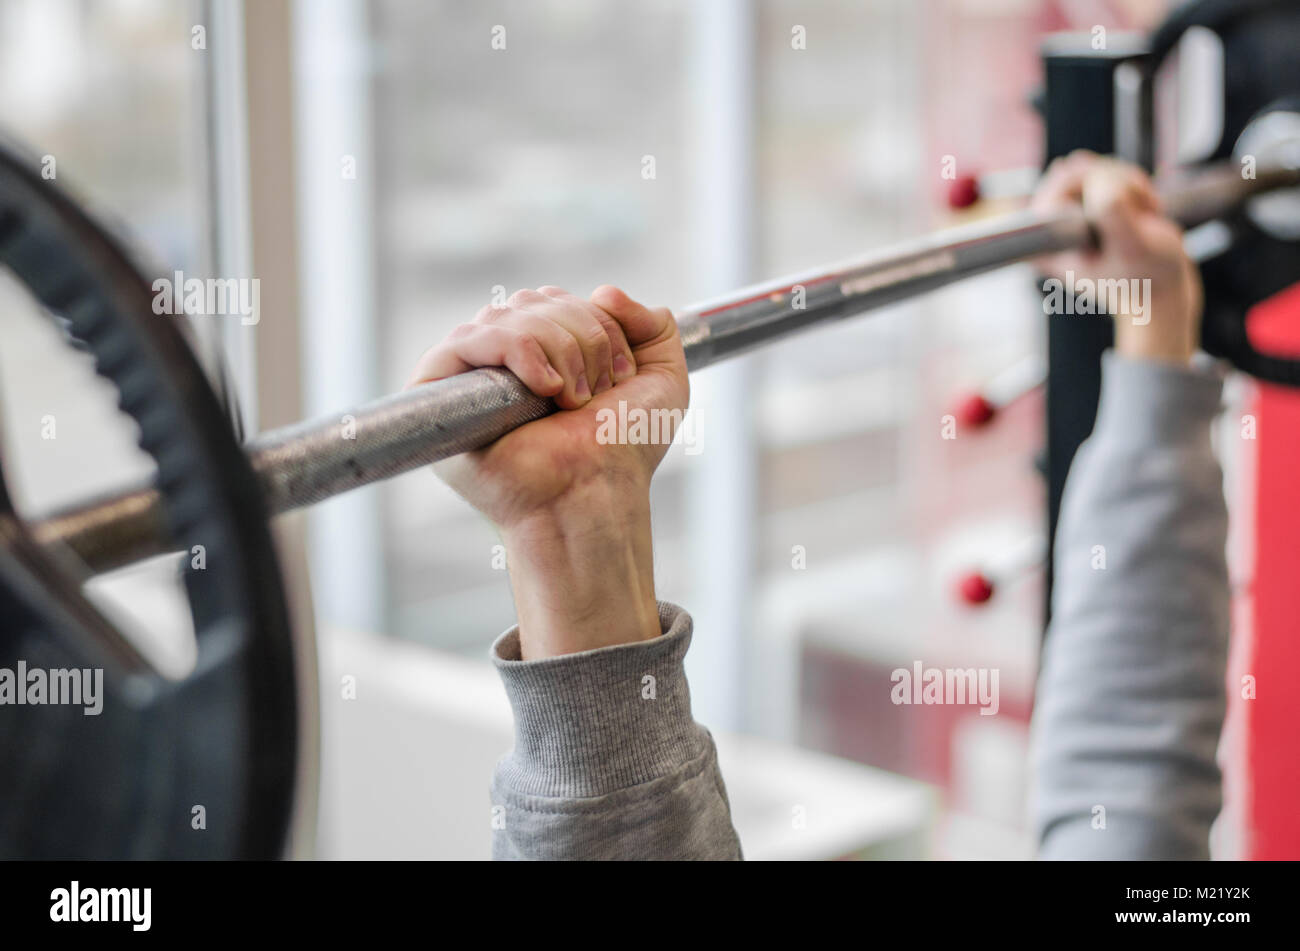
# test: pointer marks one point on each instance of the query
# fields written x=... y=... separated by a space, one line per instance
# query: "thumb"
x=642 y=325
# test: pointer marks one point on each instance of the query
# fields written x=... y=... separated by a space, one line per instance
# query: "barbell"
x=312 y=461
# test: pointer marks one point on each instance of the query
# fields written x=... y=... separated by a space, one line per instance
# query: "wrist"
x=1167 y=329
x=1133 y=344
x=582 y=570
x=1165 y=333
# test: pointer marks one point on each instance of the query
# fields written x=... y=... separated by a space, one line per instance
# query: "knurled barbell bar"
x=311 y=461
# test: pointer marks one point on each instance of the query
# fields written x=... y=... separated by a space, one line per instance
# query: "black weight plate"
x=123 y=784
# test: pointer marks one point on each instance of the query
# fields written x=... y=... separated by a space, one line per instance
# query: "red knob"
x=975 y=588
x=963 y=192
x=975 y=410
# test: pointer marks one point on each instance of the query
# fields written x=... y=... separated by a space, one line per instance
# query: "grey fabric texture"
x=608 y=764
x=1131 y=694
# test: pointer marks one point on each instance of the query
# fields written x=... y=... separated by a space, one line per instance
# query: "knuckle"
x=533 y=349
x=571 y=353
x=525 y=344
x=523 y=296
x=595 y=336
x=613 y=333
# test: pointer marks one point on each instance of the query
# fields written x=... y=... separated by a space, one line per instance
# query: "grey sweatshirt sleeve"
x=1131 y=693
x=608 y=762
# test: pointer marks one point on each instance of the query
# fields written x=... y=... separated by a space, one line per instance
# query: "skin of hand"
x=1137 y=241
x=574 y=513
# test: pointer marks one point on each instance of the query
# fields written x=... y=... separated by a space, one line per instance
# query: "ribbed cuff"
x=1145 y=403
x=593 y=723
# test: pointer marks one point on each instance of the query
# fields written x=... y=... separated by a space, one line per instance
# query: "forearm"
x=1131 y=694
x=608 y=762
x=582 y=571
